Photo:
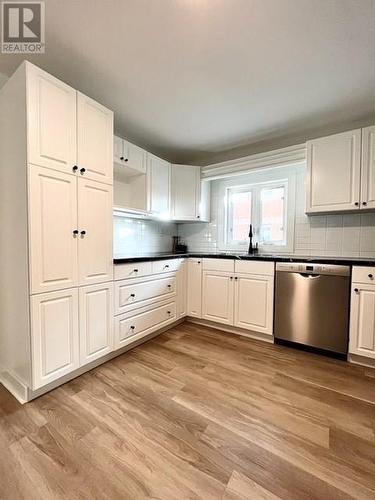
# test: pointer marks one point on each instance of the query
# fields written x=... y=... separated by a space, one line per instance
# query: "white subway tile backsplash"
x=348 y=235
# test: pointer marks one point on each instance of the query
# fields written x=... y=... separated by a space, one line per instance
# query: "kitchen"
x=192 y=325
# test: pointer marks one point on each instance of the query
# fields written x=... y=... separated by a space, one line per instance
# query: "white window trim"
x=272 y=177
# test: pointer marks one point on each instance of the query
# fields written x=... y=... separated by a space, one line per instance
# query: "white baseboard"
x=361 y=360
x=232 y=329
x=17 y=388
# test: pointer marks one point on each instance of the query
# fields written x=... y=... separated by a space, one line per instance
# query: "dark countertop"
x=346 y=261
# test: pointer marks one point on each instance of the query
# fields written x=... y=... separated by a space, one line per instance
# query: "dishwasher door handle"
x=310 y=276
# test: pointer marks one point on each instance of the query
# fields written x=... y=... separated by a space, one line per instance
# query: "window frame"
x=255 y=182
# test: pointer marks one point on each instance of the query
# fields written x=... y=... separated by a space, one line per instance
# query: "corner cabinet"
x=185 y=189
x=341 y=172
x=159 y=186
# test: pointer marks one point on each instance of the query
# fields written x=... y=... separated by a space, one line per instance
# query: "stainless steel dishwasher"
x=312 y=305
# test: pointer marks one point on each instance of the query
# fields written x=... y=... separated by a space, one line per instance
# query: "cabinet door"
x=253 y=303
x=159 y=185
x=96 y=321
x=52 y=218
x=333 y=172
x=368 y=168
x=362 y=320
x=182 y=290
x=135 y=157
x=185 y=189
x=51 y=121
x=54 y=335
x=118 y=150
x=95 y=254
x=194 y=288
x=95 y=140
x=217 y=297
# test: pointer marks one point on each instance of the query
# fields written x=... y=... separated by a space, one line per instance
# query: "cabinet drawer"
x=252 y=267
x=132 y=295
x=363 y=275
x=132 y=270
x=165 y=266
x=129 y=327
x=226 y=265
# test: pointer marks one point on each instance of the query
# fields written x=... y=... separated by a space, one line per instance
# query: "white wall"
x=349 y=235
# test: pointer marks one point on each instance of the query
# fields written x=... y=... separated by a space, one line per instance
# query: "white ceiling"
x=190 y=79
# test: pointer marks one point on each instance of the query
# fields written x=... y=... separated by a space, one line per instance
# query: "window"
x=264 y=205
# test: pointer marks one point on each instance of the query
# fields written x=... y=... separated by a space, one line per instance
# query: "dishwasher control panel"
x=309 y=268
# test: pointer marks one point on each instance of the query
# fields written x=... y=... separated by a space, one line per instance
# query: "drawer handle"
x=132 y=295
x=371 y=276
x=135 y=270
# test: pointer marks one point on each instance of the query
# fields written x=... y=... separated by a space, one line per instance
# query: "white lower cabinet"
x=131 y=294
x=181 y=283
x=55 y=335
x=136 y=324
x=194 y=288
x=217 y=297
x=96 y=321
x=362 y=320
x=253 y=303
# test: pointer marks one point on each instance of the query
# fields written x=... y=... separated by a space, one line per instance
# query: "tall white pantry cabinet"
x=56 y=267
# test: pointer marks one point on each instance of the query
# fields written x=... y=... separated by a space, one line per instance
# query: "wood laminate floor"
x=196 y=413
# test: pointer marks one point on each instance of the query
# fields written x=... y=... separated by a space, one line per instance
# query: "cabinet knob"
x=198 y=262
x=132 y=295
x=126 y=159
x=75 y=168
x=198 y=216
x=132 y=327
x=166 y=266
x=231 y=278
x=169 y=286
x=168 y=312
x=83 y=233
x=122 y=158
x=75 y=232
x=83 y=170
x=236 y=278
x=356 y=203
x=371 y=276
x=364 y=203
x=135 y=270
x=356 y=290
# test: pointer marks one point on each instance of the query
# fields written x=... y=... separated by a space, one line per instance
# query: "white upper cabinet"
x=185 y=192
x=368 y=168
x=96 y=321
x=55 y=335
x=51 y=121
x=333 y=173
x=95 y=140
x=53 y=220
x=159 y=179
x=131 y=158
x=95 y=232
